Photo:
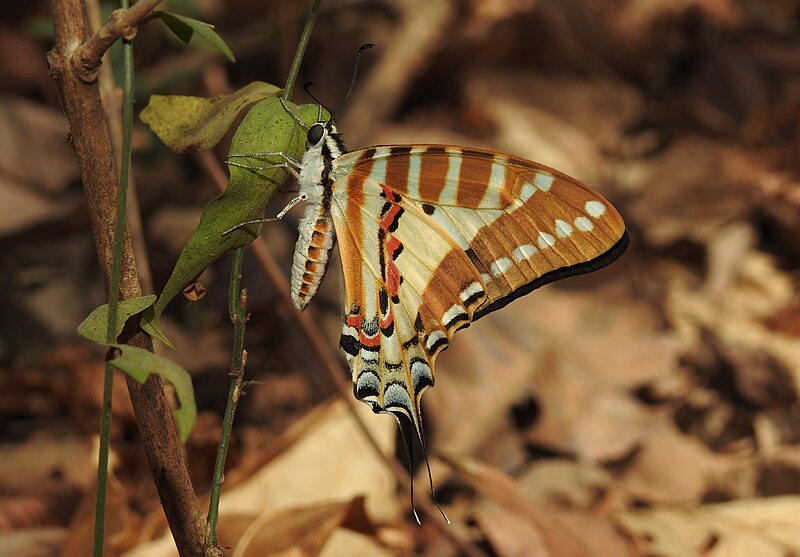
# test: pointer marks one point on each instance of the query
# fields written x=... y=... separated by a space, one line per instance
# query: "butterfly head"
x=324 y=138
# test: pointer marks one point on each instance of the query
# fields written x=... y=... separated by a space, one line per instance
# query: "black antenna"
x=361 y=49
x=307 y=88
x=308 y=84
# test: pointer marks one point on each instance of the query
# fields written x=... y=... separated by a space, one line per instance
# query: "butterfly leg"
x=289 y=163
x=293 y=115
x=279 y=216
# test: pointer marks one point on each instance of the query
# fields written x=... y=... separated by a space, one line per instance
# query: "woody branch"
x=92 y=144
x=121 y=24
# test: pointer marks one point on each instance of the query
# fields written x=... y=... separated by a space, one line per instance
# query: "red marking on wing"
x=369 y=342
x=392 y=277
x=392 y=243
x=389 y=217
x=387 y=320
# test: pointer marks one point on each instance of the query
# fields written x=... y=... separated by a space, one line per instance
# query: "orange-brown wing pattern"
x=433 y=237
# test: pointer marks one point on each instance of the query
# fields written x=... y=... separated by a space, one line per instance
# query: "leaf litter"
x=648 y=409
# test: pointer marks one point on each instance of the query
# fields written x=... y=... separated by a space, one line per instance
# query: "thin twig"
x=122 y=24
x=113 y=295
x=237 y=308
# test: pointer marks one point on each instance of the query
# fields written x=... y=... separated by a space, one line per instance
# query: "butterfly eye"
x=315 y=134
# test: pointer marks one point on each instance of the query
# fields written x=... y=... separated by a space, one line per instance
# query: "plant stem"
x=301 y=50
x=237 y=307
x=94 y=154
x=113 y=294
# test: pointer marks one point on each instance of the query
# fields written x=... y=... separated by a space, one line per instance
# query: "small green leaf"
x=185 y=27
x=94 y=327
x=140 y=363
x=190 y=124
x=151 y=325
x=266 y=128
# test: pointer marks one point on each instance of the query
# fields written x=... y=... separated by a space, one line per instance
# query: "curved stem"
x=301 y=50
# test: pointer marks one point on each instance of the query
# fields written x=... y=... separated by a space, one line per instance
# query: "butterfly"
x=431 y=238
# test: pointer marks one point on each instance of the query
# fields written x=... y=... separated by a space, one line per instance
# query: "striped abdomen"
x=311 y=254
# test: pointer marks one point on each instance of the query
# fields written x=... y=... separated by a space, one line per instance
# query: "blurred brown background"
x=647 y=409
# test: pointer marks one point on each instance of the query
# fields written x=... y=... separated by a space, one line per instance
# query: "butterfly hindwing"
x=387 y=272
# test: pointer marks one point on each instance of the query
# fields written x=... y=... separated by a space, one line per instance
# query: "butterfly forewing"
x=432 y=237
x=518 y=221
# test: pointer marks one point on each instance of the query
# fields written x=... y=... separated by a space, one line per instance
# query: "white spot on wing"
x=420 y=373
x=433 y=338
x=368 y=381
x=524 y=252
x=486 y=278
x=471 y=290
x=454 y=311
x=368 y=358
x=583 y=224
x=546 y=240
x=396 y=397
x=594 y=208
x=563 y=228
x=527 y=191
x=543 y=181
x=501 y=265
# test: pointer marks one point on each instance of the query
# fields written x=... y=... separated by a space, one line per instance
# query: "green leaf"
x=94 y=327
x=140 y=363
x=151 y=325
x=266 y=128
x=185 y=27
x=190 y=124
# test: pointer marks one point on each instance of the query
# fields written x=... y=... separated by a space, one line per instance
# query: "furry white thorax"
x=312 y=168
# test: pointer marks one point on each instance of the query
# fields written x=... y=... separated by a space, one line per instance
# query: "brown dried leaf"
x=561 y=483
x=579 y=355
x=558 y=537
x=636 y=19
x=122 y=526
x=510 y=534
x=691 y=190
x=30 y=191
x=51 y=466
x=346 y=543
x=763 y=527
x=670 y=468
x=36 y=542
x=734 y=317
x=302 y=531
x=324 y=457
